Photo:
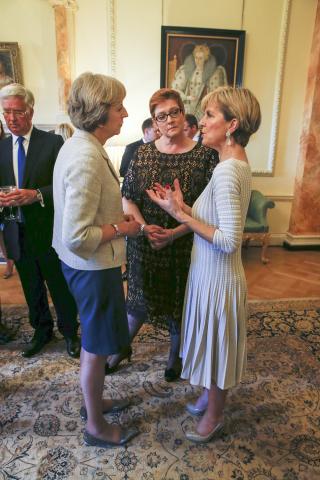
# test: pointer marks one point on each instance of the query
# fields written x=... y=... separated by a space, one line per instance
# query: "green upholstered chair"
x=256 y=227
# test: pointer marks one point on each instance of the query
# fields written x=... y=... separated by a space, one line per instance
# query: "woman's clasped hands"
x=158 y=237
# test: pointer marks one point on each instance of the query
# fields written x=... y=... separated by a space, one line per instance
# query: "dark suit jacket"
x=128 y=156
x=42 y=153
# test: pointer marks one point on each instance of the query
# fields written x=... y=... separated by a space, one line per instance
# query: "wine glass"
x=10 y=213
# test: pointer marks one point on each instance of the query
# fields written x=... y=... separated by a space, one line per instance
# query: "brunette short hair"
x=147 y=123
x=239 y=103
x=191 y=120
x=161 y=96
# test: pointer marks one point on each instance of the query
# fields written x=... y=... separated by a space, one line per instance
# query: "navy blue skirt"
x=100 y=300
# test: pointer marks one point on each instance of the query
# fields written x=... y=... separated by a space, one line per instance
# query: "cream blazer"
x=86 y=194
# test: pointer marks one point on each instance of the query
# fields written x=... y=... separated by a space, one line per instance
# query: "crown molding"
x=69 y=4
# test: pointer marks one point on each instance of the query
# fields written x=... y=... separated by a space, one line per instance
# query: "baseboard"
x=301 y=242
x=277 y=239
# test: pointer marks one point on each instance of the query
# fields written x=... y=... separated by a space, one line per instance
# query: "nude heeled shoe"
x=7 y=275
x=194 y=436
x=9 y=270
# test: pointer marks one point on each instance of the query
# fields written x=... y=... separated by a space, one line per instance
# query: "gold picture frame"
x=221 y=53
x=10 y=65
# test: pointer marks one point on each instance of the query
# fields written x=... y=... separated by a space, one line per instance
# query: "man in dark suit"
x=191 y=127
x=27 y=160
x=149 y=135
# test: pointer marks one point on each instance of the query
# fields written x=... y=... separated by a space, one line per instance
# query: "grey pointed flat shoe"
x=197 y=438
x=117 y=406
x=195 y=410
x=126 y=435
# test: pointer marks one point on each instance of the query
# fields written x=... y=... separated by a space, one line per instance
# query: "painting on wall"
x=10 y=66
x=195 y=61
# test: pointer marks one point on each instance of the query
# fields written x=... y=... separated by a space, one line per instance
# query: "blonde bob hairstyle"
x=90 y=99
x=239 y=103
x=65 y=130
x=17 y=90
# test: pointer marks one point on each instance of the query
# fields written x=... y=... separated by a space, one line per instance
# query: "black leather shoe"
x=117 y=406
x=170 y=374
x=117 y=359
x=173 y=373
x=36 y=345
x=6 y=334
x=126 y=435
x=73 y=346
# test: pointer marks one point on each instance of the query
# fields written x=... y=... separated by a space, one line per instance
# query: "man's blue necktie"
x=21 y=161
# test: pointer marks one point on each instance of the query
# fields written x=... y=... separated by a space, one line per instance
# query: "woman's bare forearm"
x=180 y=231
x=130 y=208
x=187 y=209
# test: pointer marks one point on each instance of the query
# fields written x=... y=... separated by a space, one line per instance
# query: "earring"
x=228 y=137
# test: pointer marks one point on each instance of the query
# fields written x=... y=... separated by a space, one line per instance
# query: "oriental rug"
x=272 y=419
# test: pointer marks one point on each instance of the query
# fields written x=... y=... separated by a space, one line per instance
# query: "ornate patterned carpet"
x=272 y=429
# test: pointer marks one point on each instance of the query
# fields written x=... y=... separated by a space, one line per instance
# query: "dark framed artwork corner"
x=10 y=64
x=195 y=61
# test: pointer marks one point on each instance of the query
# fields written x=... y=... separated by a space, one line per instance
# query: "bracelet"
x=141 y=232
x=39 y=197
x=116 y=229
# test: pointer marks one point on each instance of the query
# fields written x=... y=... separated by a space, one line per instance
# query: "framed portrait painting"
x=10 y=66
x=195 y=61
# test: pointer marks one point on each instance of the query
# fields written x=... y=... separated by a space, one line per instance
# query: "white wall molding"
x=112 y=37
x=280 y=198
x=302 y=240
x=45 y=126
x=269 y=172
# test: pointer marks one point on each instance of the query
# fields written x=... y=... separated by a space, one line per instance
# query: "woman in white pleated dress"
x=213 y=344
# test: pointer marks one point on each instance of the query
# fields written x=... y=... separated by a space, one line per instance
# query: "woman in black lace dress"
x=158 y=260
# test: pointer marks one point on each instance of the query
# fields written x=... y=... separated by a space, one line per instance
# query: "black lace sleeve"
x=129 y=186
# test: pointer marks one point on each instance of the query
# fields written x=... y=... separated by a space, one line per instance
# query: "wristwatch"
x=142 y=226
x=40 y=197
x=116 y=229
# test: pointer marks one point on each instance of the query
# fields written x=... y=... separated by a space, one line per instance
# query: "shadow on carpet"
x=272 y=429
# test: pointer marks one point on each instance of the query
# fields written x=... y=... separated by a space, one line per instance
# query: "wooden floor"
x=288 y=275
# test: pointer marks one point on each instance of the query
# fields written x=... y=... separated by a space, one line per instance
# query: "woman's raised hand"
x=169 y=200
x=176 y=192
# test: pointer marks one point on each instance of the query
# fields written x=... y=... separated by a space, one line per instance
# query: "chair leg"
x=265 y=244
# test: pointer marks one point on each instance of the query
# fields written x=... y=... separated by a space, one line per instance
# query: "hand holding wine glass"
x=7 y=203
x=20 y=196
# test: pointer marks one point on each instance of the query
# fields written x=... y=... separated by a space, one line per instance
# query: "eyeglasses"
x=14 y=113
x=162 y=117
